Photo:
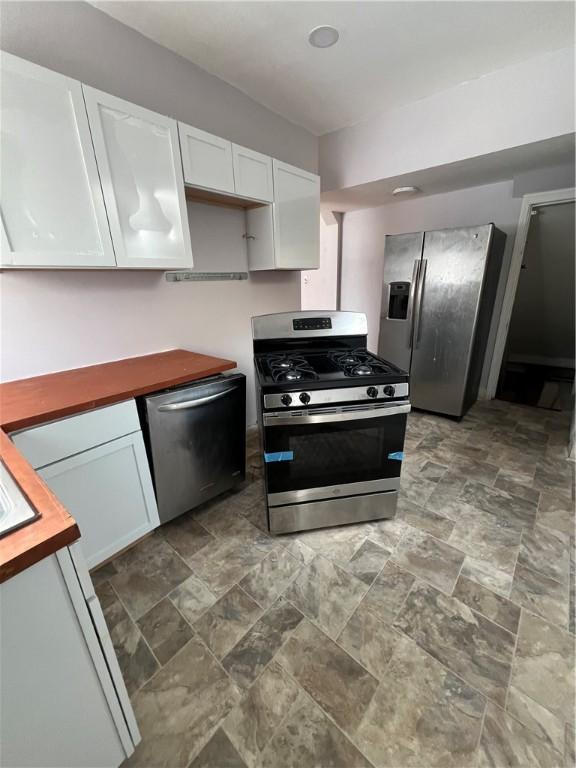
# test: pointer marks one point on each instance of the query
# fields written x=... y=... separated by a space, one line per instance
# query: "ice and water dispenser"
x=398 y=296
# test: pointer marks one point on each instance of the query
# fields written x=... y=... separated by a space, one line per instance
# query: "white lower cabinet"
x=63 y=702
x=108 y=491
x=96 y=464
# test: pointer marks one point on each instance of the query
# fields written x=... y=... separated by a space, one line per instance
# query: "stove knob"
x=389 y=391
x=304 y=398
x=285 y=399
x=372 y=392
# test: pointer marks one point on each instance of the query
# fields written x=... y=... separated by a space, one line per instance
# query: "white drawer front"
x=59 y=439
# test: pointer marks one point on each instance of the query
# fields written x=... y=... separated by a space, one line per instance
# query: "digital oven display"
x=312 y=324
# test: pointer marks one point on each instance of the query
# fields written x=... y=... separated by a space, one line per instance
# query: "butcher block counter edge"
x=28 y=402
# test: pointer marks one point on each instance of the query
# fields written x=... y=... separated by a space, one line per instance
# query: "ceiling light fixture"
x=406 y=190
x=323 y=37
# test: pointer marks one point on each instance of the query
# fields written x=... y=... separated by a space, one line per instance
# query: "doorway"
x=538 y=361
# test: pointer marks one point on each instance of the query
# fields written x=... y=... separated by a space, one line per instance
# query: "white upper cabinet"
x=51 y=201
x=206 y=159
x=286 y=235
x=296 y=217
x=140 y=167
x=252 y=174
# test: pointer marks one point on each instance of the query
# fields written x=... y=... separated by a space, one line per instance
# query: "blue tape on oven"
x=397 y=455
x=280 y=456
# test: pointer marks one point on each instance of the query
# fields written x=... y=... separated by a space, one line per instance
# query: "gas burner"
x=362 y=370
x=289 y=367
x=349 y=360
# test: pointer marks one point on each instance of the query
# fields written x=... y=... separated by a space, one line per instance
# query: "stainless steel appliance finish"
x=321 y=514
x=281 y=325
x=437 y=299
x=195 y=437
x=333 y=430
x=326 y=396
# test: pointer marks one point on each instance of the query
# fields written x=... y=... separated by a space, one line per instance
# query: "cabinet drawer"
x=59 y=439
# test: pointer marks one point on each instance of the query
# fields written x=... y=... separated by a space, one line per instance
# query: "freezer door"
x=446 y=312
x=197 y=441
x=401 y=264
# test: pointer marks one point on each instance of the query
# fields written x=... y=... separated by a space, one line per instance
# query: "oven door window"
x=300 y=456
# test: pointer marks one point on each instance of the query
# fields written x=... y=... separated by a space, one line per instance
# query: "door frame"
x=529 y=202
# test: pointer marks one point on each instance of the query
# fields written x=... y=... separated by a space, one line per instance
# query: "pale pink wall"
x=54 y=320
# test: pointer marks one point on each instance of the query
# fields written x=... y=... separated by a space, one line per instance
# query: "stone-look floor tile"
x=505 y=742
x=555 y=476
x=543 y=666
x=432 y=560
x=546 y=551
x=336 y=544
x=572 y=587
x=387 y=594
x=511 y=509
x=536 y=718
x=257 y=514
x=433 y=471
x=185 y=535
x=223 y=562
x=308 y=739
x=512 y=460
x=483 y=572
x=192 y=598
x=252 y=722
x=103 y=573
x=387 y=533
x=225 y=622
x=260 y=644
x=478 y=471
x=445 y=491
x=425 y=519
x=415 y=487
x=178 y=709
x=330 y=676
x=469 y=644
x=299 y=550
x=496 y=608
x=147 y=573
x=541 y=595
x=218 y=753
x=135 y=658
x=517 y=484
x=268 y=580
x=570 y=747
x=368 y=562
x=369 y=641
x=421 y=715
x=556 y=512
x=325 y=593
x=165 y=630
x=470 y=451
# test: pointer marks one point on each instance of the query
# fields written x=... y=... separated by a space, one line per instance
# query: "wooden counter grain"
x=28 y=402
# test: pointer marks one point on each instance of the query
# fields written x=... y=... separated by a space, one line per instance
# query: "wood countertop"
x=29 y=402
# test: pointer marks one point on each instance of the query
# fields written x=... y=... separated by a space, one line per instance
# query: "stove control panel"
x=336 y=395
x=312 y=323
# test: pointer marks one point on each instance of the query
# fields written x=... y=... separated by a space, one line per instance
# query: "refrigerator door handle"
x=411 y=297
x=418 y=313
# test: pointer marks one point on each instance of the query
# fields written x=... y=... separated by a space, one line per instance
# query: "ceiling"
x=389 y=53
x=472 y=172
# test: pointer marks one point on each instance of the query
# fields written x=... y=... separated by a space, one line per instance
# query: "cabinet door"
x=296 y=218
x=252 y=174
x=108 y=490
x=51 y=201
x=206 y=159
x=138 y=156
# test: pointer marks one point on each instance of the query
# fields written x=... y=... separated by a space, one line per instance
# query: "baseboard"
x=553 y=362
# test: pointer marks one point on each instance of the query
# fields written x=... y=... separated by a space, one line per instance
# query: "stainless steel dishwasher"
x=196 y=441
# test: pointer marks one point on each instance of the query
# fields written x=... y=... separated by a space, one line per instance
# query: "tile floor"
x=444 y=637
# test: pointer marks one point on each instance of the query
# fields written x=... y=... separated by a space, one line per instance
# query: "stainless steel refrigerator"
x=437 y=301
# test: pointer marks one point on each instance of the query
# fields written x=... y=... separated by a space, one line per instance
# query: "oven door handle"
x=271 y=420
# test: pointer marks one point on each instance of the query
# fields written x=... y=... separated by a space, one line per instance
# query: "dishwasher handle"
x=195 y=403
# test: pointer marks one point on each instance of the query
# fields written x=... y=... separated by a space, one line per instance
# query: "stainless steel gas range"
x=333 y=418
